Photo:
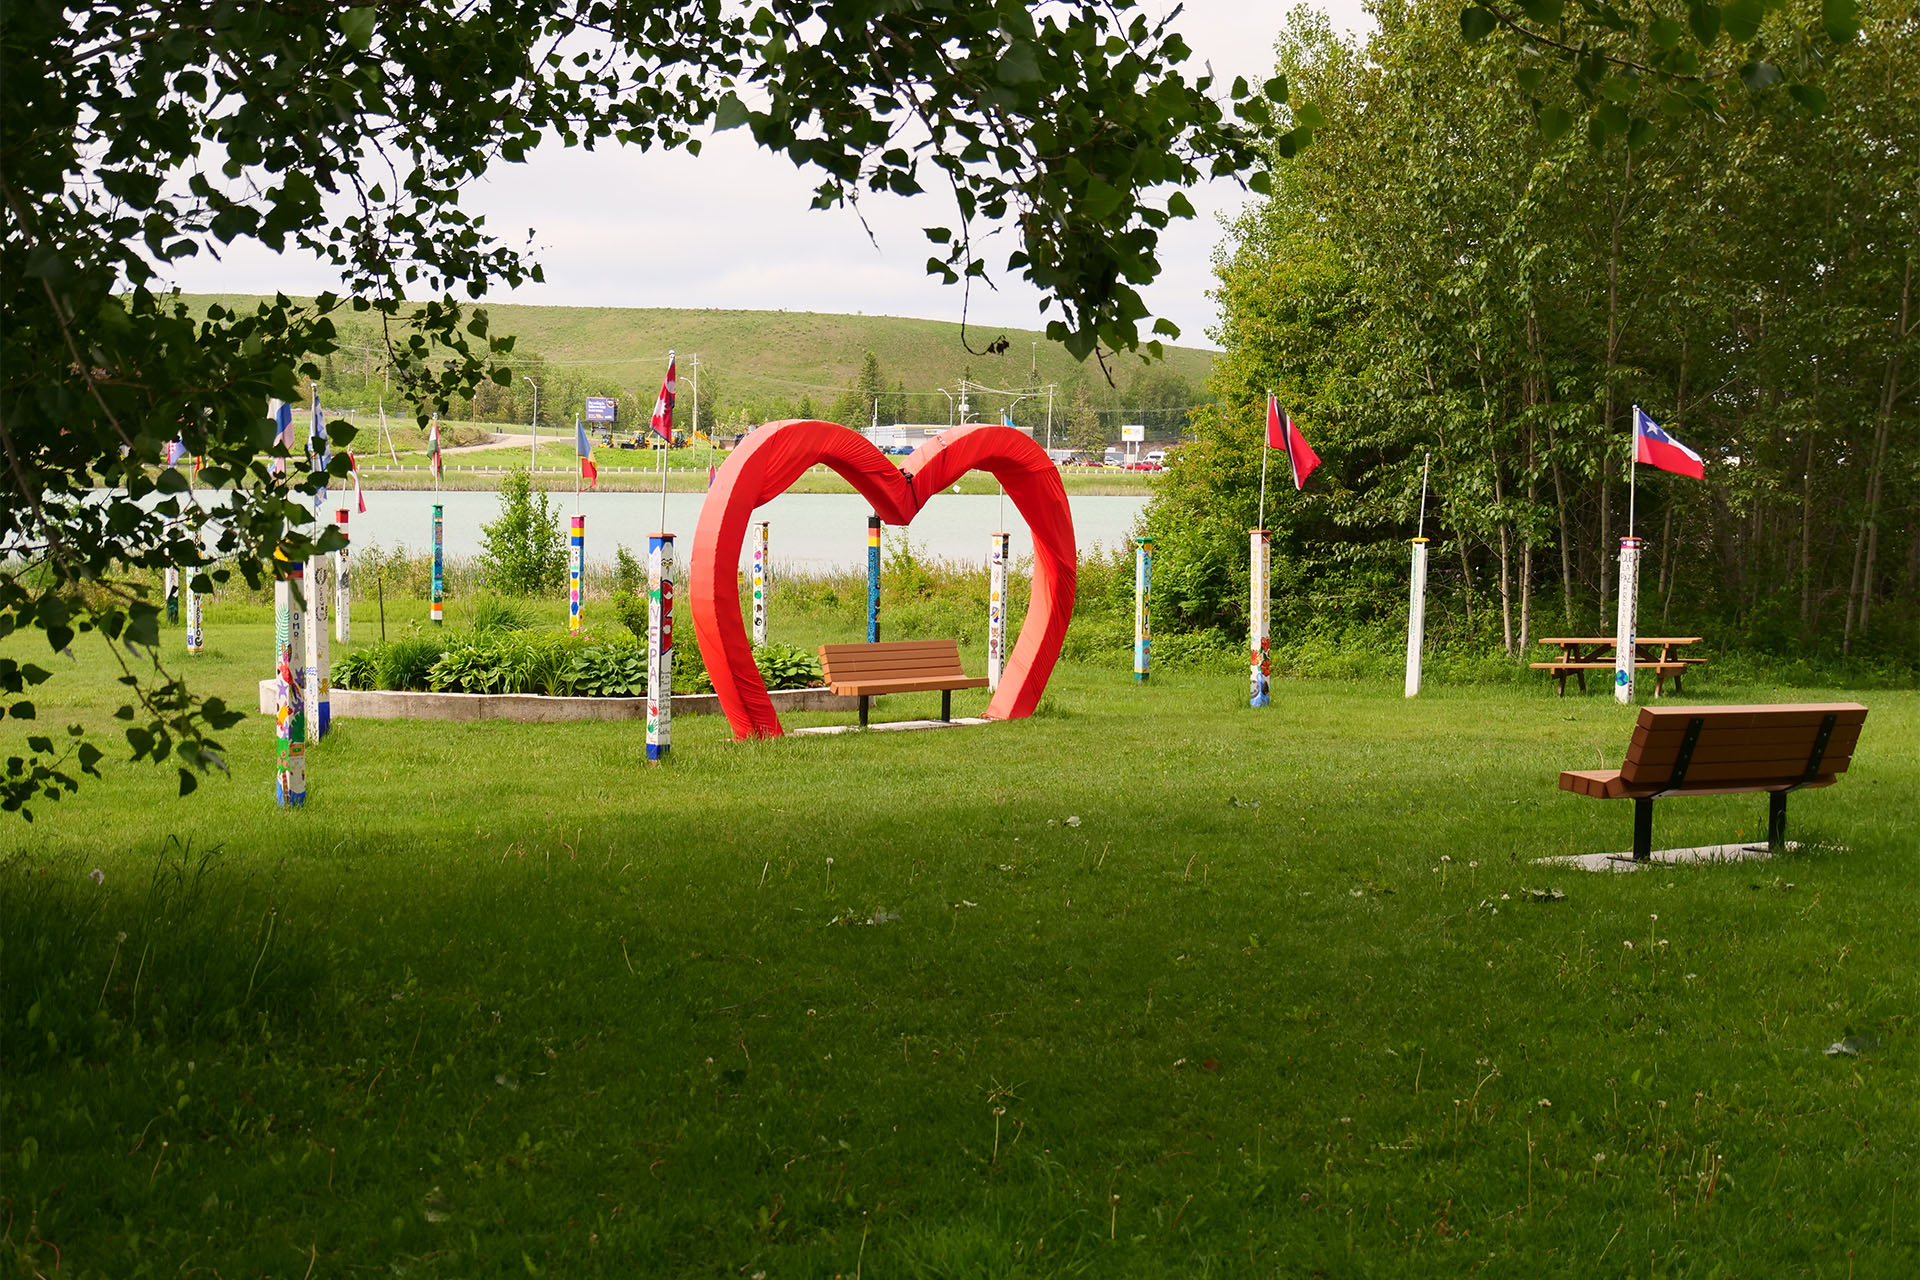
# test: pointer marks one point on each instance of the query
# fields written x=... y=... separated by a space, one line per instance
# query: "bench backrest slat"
x=1757 y=743
x=889 y=659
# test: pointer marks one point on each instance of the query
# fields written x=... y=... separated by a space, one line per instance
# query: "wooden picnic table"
x=1580 y=654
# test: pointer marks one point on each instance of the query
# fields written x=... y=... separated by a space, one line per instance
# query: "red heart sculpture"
x=777 y=454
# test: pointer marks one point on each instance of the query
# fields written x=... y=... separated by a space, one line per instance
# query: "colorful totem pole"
x=997 y=608
x=439 y=613
x=319 y=682
x=873 y=579
x=196 y=628
x=1260 y=618
x=760 y=539
x=342 y=585
x=576 y=572
x=659 y=647
x=1625 y=637
x=1142 y=594
x=290 y=715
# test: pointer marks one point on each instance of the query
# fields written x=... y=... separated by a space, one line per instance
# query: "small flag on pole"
x=359 y=498
x=1283 y=434
x=662 y=421
x=174 y=451
x=433 y=451
x=588 y=471
x=1656 y=448
x=282 y=414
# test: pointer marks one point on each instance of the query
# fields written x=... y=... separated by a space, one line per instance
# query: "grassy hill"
x=774 y=354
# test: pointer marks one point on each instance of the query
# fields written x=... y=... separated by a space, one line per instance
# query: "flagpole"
x=1266 y=447
x=1633 y=465
x=1425 y=464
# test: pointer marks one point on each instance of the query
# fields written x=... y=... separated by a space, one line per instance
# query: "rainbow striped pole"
x=1260 y=618
x=1416 y=616
x=873 y=579
x=997 y=609
x=171 y=590
x=576 y=572
x=196 y=627
x=659 y=647
x=290 y=718
x=342 y=585
x=1624 y=629
x=319 y=678
x=1142 y=592
x=760 y=583
x=439 y=614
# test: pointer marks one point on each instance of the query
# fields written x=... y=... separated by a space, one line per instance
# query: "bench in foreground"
x=866 y=671
x=1720 y=751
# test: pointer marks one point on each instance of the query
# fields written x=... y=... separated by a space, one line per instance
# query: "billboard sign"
x=1133 y=431
x=602 y=409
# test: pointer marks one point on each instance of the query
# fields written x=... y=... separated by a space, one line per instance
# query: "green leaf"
x=1810 y=96
x=729 y=112
x=1704 y=17
x=357 y=26
x=1760 y=75
x=1476 y=24
x=1639 y=133
x=1743 y=19
x=1666 y=32
x=1545 y=12
x=1613 y=119
x=1531 y=78
x=1276 y=89
x=1554 y=123
x=1841 y=18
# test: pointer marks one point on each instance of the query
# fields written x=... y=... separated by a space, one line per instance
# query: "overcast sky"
x=731 y=228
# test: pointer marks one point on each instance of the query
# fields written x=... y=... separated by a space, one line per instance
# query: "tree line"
x=1451 y=271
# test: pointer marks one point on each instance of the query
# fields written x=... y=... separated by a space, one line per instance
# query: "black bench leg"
x=863 y=711
x=1776 y=820
x=946 y=705
x=1583 y=680
x=1642 y=830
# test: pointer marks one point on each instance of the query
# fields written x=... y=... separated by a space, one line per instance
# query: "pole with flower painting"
x=290 y=718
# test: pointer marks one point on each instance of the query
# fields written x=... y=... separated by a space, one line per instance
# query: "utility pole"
x=533 y=452
x=1049 y=416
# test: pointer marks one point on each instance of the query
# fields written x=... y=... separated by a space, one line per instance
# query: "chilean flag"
x=662 y=421
x=1656 y=448
x=1282 y=434
x=588 y=471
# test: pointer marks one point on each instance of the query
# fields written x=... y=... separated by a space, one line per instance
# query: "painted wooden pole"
x=659 y=647
x=1142 y=594
x=439 y=612
x=290 y=719
x=196 y=620
x=1259 y=618
x=319 y=674
x=997 y=609
x=342 y=585
x=760 y=540
x=873 y=579
x=576 y=572
x=1416 y=616
x=1624 y=633
x=170 y=590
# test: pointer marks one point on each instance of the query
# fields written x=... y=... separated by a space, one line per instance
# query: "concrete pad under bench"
x=1706 y=853
x=888 y=726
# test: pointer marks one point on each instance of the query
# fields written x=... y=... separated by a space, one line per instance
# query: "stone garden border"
x=535 y=708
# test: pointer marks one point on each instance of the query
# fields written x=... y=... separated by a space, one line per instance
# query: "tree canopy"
x=1434 y=276
x=137 y=134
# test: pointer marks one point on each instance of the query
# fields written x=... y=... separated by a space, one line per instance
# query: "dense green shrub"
x=524 y=552
x=356 y=669
x=406 y=663
x=609 y=670
x=494 y=613
x=787 y=666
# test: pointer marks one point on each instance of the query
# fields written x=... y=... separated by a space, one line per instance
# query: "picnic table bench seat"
x=866 y=671
x=1720 y=751
x=1662 y=655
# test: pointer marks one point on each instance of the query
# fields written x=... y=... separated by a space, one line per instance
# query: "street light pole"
x=533 y=451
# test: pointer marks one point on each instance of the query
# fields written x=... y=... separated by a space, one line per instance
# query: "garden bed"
x=535 y=708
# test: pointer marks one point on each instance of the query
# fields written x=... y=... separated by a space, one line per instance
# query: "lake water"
x=809 y=532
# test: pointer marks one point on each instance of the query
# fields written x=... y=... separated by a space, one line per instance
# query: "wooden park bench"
x=866 y=671
x=1721 y=751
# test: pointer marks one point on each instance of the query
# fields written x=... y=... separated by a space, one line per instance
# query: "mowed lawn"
x=1148 y=985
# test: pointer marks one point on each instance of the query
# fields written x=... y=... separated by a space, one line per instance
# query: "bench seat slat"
x=1663 y=667
x=1712 y=735
x=1606 y=784
x=873 y=688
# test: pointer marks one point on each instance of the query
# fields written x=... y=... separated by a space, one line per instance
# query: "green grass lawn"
x=1148 y=985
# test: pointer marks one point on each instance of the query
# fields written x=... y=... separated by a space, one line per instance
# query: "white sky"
x=731 y=227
